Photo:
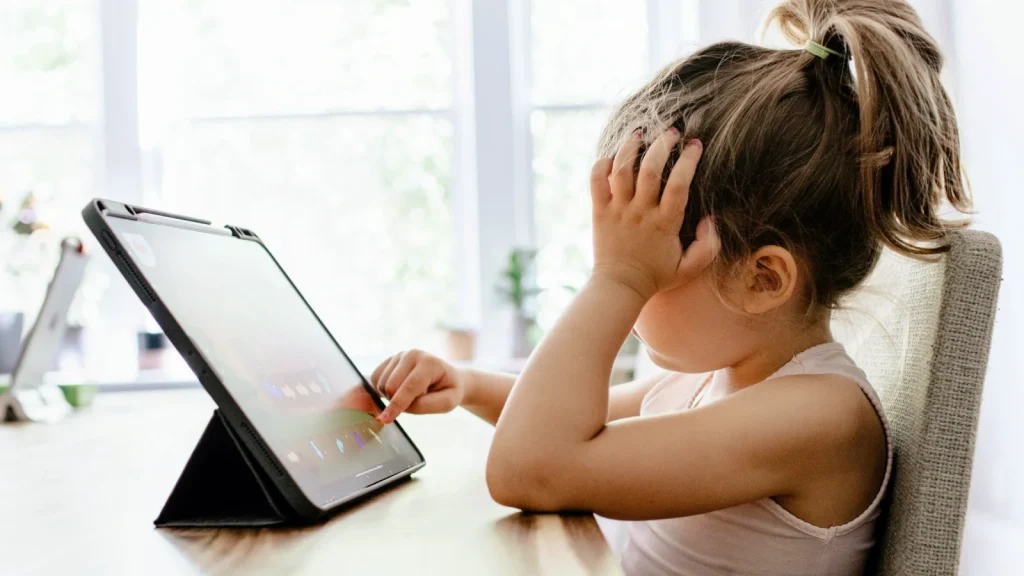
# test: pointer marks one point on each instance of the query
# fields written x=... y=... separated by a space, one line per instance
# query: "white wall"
x=990 y=71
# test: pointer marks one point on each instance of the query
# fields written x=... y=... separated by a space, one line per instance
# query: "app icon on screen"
x=317 y=450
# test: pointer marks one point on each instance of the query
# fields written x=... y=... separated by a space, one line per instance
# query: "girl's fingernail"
x=638 y=133
x=696 y=143
x=673 y=130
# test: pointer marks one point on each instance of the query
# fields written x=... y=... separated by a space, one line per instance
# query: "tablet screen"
x=306 y=399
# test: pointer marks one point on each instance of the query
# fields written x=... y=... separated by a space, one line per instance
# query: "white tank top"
x=759 y=537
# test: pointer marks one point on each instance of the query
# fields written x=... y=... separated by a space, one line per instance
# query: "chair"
x=922 y=331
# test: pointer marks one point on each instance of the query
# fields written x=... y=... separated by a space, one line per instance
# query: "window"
x=577 y=73
x=349 y=134
x=326 y=127
x=584 y=57
x=48 y=113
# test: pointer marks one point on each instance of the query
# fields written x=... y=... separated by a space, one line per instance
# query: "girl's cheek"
x=684 y=329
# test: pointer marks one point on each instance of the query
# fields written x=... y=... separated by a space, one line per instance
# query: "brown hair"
x=829 y=159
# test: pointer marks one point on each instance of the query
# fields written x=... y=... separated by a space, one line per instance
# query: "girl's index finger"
x=677 y=188
x=413 y=386
x=622 y=176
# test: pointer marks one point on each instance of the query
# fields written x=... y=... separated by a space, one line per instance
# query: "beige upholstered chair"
x=921 y=331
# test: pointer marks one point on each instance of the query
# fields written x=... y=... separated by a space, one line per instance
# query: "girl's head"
x=810 y=166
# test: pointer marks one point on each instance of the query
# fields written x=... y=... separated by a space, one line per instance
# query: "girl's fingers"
x=435 y=402
x=412 y=387
x=703 y=250
x=677 y=188
x=399 y=374
x=600 y=187
x=648 y=179
x=622 y=178
x=375 y=377
x=382 y=379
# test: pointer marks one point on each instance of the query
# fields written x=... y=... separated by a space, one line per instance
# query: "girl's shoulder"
x=830 y=429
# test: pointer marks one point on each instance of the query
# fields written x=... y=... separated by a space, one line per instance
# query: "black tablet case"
x=222 y=485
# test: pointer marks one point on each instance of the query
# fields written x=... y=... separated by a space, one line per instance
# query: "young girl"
x=764 y=450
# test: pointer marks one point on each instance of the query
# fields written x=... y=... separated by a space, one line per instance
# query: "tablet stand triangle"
x=222 y=486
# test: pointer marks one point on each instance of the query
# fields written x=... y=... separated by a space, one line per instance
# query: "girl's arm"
x=553 y=448
x=421 y=383
x=487 y=393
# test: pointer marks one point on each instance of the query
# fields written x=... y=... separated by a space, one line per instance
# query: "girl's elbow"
x=521 y=484
x=505 y=492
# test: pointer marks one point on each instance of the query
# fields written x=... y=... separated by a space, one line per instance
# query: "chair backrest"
x=921 y=331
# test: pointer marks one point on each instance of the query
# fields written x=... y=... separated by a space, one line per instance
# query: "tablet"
x=277 y=374
x=30 y=396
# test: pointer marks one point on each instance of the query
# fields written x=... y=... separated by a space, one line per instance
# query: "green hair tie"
x=820 y=50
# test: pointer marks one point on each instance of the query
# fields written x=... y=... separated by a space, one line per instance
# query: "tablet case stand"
x=222 y=485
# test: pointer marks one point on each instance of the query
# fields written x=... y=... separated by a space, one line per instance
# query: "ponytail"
x=832 y=151
x=907 y=136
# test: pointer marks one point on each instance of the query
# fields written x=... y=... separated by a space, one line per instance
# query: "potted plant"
x=517 y=287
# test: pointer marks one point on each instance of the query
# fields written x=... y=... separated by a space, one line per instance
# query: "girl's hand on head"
x=636 y=233
x=417 y=382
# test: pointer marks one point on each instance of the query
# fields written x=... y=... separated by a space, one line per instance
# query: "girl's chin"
x=663 y=362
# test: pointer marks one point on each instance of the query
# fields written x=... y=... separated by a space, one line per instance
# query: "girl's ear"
x=770 y=279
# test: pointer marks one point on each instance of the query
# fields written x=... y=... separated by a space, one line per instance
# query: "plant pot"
x=79 y=395
x=521 y=344
x=459 y=344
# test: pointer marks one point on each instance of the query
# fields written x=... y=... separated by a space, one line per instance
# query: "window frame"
x=666 y=41
x=491 y=173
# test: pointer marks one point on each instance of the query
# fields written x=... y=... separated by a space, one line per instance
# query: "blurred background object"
x=460 y=344
x=153 y=347
x=12 y=326
x=518 y=287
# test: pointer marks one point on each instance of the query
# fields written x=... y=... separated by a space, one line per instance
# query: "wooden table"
x=80 y=496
